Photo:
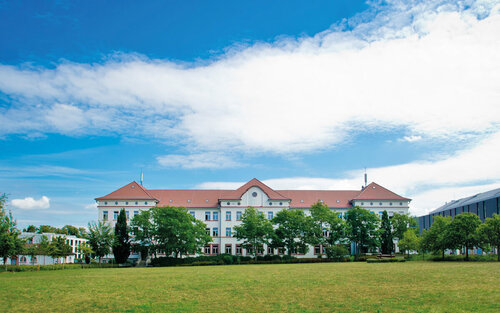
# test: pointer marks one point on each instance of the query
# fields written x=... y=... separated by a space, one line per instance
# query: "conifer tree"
x=386 y=242
x=121 y=244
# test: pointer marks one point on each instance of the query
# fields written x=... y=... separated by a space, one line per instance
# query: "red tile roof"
x=376 y=192
x=306 y=198
x=131 y=191
x=210 y=198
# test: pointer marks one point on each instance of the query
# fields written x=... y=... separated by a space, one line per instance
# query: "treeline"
x=79 y=232
x=463 y=232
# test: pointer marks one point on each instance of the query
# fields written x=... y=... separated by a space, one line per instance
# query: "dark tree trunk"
x=466 y=253
x=442 y=255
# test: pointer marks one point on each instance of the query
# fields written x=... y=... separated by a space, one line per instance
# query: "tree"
x=294 y=231
x=410 y=241
x=31 y=229
x=463 y=232
x=47 y=229
x=255 y=230
x=86 y=250
x=362 y=228
x=10 y=243
x=142 y=230
x=59 y=248
x=489 y=232
x=401 y=223
x=83 y=232
x=386 y=241
x=436 y=239
x=100 y=238
x=71 y=230
x=43 y=248
x=326 y=221
x=121 y=243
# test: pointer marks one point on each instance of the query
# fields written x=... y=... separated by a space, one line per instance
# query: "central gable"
x=254 y=196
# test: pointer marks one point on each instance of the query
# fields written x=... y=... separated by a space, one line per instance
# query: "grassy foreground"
x=324 y=287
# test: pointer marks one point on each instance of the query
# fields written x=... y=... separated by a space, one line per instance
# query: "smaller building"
x=35 y=238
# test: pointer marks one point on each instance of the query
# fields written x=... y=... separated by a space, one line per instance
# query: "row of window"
x=228 y=249
x=215 y=231
x=380 y=203
x=116 y=213
x=126 y=203
x=214 y=216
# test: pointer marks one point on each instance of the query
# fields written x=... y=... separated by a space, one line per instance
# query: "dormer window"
x=338 y=201
x=206 y=200
x=189 y=201
x=170 y=200
x=301 y=201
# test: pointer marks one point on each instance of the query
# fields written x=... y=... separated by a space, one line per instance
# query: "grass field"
x=325 y=287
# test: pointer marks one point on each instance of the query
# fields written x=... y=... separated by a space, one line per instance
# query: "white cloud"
x=411 y=138
x=92 y=206
x=430 y=183
x=430 y=67
x=30 y=203
x=194 y=161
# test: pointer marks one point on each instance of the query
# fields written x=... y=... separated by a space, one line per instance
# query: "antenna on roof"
x=366 y=178
x=142 y=177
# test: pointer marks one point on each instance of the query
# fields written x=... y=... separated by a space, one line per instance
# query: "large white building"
x=221 y=210
x=35 y=238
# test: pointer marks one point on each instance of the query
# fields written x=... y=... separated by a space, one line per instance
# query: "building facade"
x=483 y=205
x=221 y=210
x=35 y=238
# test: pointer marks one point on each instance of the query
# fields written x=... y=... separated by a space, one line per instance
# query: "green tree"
x=386 y=241
x=71 y=230
x=31 y=229
x=362 y=228
x=294 y=231
x=59 y=248
x=47 y=229
x=489 y=232
x=82 y=232
x=326 y=220
x=410 y=241
x=10 y=243
x=463 y=232
x=100 y=238
x=121 y=243
x=143 y=231
x=436 y=239
x=43 y=248
x=255 y=230
x=401 y=223
x=86 y=251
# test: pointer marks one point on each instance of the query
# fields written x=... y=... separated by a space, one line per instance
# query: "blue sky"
x=209 y=94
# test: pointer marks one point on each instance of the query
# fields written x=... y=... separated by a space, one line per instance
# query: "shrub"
x=385 y=260
x=336 y=253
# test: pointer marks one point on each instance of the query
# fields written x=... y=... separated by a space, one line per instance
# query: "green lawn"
x=322 y=287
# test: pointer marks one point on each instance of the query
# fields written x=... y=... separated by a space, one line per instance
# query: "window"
x=260 y=250
x=215 y=249
x=116 y=202
x=228 y=215
x=239 y=203
x=254 y=194
x=362 y=203
x=317 y=249
x=105 y=215
x=390 y=203
x=115 y=215
x=170 y=200
x=206 y=250
x=215 y=232
x=400 y=203
x=380 y=203
x=215 y=216
x=270 y=215
x=206 y=200
x=136 y=203
x=301 y=201
x=105 y=203
x=136 y=213
x=207 y=230
x=270 y=251
x=380 y=213
x=71 y=242
x=238 y=216
x=127 y=213
x=228 y=249
x=228 y=231
x=338 y=201
x=228 y=203
x=325 y=232
x=281 y=203
x=371 y=203
x=146 y=203
x=189 y=201
x=126 y=203
x=192 y=214
x=270 y=203
x=207 y=216
x=281 y=251
x=238 y=250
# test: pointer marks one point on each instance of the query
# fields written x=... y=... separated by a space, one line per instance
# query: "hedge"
x=385 y=260
x=53 y=267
